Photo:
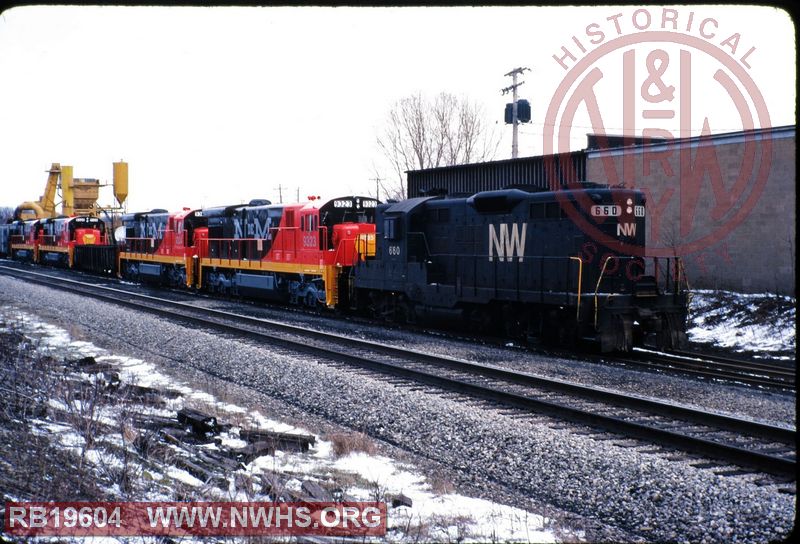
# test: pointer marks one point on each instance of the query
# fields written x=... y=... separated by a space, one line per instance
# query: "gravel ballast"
x=620 y=492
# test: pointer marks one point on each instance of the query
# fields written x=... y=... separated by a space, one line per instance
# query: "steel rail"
x=782 y=379
x=753 y=459
x=776 y=367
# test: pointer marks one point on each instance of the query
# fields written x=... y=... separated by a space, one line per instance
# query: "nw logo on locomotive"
x=509 y=244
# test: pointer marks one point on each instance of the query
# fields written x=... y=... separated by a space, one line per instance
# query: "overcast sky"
x=214 y=106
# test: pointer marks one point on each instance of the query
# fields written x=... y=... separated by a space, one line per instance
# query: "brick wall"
x=758 y=254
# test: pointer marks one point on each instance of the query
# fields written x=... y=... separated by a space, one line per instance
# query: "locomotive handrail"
x=580 y=284
x=322 y=234
x=682 y=269
x=681 y=275
x=672 y=283
x=597 y=287
x=140 y=245
x=288 y=246
x=339 y=248
x=425 y=240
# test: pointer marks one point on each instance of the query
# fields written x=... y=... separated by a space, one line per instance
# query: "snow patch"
x=744 y=322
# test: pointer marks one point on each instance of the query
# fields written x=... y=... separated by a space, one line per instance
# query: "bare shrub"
x=346 y=443
x=84 y=403
x=26 y=381
x=440 y=485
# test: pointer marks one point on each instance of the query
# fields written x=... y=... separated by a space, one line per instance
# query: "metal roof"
x=467 y=179
x=406 y=206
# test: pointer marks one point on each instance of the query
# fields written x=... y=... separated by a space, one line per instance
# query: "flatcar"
x=567 y=264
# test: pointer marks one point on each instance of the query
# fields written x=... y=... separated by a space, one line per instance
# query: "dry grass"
x=346 y=443
x=441 y=486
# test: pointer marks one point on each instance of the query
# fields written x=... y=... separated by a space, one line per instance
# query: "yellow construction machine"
x=78 y=196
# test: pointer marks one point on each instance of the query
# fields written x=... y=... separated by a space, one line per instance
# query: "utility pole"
x=298 y=193
x=513 y=87
x=280 y=193
x=377 y=181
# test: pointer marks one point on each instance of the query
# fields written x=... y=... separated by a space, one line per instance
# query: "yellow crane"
x=78 y=195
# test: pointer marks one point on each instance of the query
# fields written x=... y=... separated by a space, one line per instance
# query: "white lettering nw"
x=508 y=244
x=626 y=229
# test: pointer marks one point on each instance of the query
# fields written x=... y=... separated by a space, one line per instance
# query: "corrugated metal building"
x=468 y=179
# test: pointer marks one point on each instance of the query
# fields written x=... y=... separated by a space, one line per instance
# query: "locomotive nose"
x=88 y=238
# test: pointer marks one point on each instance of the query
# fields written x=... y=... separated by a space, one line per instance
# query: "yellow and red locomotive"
x=295 y=253
x=72 y=242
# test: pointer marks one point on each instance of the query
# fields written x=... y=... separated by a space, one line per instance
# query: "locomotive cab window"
x=308 y=223
x=553 y=210
x=391 y=228
x=537 y=211
x=439 y=215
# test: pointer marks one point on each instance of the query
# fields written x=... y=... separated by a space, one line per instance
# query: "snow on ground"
x=443 y=516
x=476 y=517
x=744 y=322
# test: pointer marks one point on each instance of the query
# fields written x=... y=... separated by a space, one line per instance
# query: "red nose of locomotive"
x=87 y=237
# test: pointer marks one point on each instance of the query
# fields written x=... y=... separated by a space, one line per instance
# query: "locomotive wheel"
x=311 y=301
x=552 y=332
x=405 y=311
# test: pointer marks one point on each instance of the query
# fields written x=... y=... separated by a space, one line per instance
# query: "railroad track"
x=739 y=372
x=712 y=367
x=727 y=440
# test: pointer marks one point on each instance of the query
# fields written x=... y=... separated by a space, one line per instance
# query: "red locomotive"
x=298 y=253
x=61 y=240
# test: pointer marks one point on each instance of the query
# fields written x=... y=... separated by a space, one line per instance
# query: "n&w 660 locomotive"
x=556 y=265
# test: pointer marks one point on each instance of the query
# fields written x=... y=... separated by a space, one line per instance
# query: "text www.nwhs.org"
x=200 y=518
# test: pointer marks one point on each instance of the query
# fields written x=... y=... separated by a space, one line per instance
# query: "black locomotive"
x=555 y=265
